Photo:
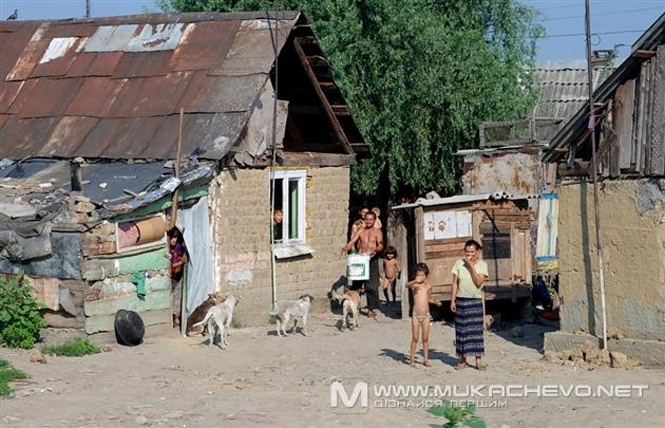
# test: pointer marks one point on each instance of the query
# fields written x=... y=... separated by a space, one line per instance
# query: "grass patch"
x=272 y=320
x=76 y=348
x=236 y=323
x=8 y=374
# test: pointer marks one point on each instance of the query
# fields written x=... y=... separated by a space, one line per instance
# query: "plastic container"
x=357 y=267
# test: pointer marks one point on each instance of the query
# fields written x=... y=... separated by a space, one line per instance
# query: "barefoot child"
x=422 y=292
x=391 y=271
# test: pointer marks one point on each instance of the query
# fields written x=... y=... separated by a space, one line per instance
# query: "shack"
x=434 y=231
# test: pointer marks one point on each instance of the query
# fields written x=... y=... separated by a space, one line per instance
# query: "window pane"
x=293 y=209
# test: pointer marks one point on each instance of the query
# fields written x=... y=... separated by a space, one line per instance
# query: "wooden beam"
x=331 y=115
x=313 y=159
x=643 y=54
x=657 y=157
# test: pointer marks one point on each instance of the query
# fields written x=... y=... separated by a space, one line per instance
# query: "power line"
x=594 y=34
x=560 y=18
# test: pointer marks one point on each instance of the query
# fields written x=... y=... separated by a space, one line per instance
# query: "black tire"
x=129 y=328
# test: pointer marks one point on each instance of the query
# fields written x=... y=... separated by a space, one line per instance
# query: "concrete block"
x=650 y=353
x=558 y=341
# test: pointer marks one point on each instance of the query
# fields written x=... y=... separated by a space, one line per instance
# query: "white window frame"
x=286 y=176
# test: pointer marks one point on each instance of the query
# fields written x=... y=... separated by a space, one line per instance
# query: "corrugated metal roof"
x=113 y=87
x=564 y=87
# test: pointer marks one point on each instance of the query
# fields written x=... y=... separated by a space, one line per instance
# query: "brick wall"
x=241 y=218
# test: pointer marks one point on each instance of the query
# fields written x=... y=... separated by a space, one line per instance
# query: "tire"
x=129 y=328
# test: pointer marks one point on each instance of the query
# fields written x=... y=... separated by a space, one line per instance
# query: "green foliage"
x=272 y=319
x=457 y=416
x=419 y=77
x=20 y=320
x=236 y=323
x=75 y=348
x=8 y=374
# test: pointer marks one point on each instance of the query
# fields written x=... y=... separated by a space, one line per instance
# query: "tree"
x=419 y=77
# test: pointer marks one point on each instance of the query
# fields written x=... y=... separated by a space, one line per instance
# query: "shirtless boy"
x=422 y=292
x=391 y=271
x=370 y=241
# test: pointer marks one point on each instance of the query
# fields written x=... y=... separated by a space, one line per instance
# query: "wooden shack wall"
x=509 y=277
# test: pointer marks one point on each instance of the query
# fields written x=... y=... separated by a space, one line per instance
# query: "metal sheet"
x=95 y=97
x=110 y=38
x=53 y=97
x=30 y=55
x=204 y=45
x=156 y=37
x=158 y=96
x=68 y=134
x=28 y=131
x=8 y=93
x=209 y=94
x=134 y=64
x=94 y=64
x=58 y=57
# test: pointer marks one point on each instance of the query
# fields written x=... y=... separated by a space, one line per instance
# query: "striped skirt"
x=469 y=339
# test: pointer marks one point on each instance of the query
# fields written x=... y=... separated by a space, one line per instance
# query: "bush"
x=457 y=416
x=8 y=374
x=76 y=348
x=20 y=320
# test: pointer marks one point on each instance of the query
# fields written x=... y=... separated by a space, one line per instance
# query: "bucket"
x=357 y=267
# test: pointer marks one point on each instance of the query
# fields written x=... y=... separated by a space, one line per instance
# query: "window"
x=289 y=188
x=495 y=241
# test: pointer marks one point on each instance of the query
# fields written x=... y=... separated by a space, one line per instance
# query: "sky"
x=614 y=23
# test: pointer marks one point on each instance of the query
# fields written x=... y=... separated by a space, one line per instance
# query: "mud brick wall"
x=241 y=217
x=632 y=215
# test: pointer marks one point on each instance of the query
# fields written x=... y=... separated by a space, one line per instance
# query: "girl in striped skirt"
x=469 y=275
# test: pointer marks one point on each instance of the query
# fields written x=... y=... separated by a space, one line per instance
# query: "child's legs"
x=393 y=287
x=425 y=338
x=415 y=327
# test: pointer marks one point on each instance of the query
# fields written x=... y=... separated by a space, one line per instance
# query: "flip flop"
x=461 y=366
x=481 y=367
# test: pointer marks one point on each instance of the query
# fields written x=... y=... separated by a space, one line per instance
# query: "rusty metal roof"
x=114 y=87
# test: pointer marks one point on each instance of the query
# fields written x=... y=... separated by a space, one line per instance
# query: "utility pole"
x=87 y=8
x=594 y=168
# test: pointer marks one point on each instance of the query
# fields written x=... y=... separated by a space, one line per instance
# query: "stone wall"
x=241 y=217
x=632 y=226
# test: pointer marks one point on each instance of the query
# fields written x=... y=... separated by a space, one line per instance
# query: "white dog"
x=350 y=309
x=286 y=310
x=220 y=315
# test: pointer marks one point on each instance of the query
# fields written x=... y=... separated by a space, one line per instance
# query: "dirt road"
x=262 y=379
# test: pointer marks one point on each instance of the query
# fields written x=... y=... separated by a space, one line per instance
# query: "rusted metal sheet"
x=209 y=94
x=68 y=134
x=512 y=172
x=105 y=92
x=8 y=92
x=13 y=41
x=135 y=64
x=94 y=64
x=54 y=95
x=204 y=45
x=57 y=58
x=171 y=89
x=29 y=131
x=252 y=49
x=30 y=55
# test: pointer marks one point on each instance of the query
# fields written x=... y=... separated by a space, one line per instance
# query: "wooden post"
x=174 y=201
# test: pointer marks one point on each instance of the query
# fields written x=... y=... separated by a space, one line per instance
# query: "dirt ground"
x=266 y=380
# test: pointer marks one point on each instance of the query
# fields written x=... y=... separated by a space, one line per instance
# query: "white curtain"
x=194 y=222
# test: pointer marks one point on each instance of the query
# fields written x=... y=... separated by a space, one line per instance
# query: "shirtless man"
x=420 y=318
x=370 y=241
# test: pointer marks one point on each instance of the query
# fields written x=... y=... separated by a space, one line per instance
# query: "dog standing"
x=221 y=316
x=201 y=311
x=286 y=310
x=350 y=309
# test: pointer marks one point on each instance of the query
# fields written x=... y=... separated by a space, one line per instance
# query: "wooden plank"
x=457 y=246
x=101 y=323
x=113 y=287
x=98 y=269
x=397 y=236
x=153 y=301
x=618 y=123
x=657 y=159
x=444 y=254
x=312 y=159
x=626 y=140
x=638 y=122
x=420 y=228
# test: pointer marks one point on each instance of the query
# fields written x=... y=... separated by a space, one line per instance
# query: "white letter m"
x=338 y=392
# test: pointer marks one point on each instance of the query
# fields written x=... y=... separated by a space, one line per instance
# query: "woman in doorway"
x=178 y=262
x=469 y=275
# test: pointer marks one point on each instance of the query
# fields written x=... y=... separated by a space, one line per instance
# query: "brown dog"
x=200 y=312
